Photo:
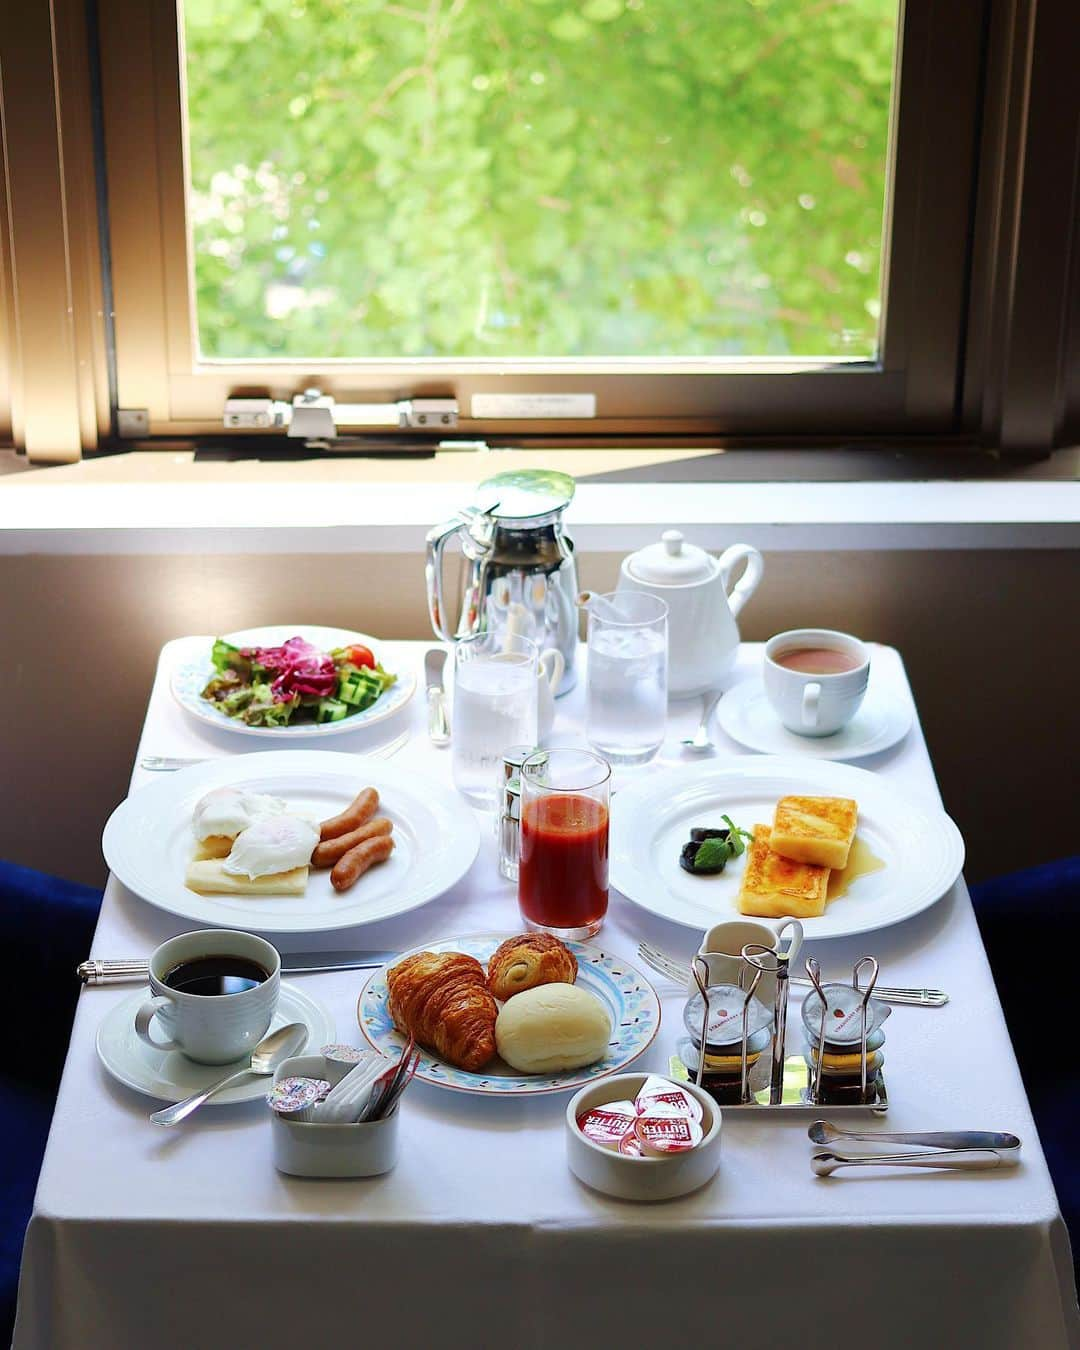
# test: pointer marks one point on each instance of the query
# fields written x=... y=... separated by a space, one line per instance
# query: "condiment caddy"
x=739 y=1050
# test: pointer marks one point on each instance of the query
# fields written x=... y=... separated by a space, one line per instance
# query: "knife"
x=438 y=726
x=135 y=970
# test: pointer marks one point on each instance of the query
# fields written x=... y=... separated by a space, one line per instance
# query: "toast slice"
x=774 y=887
x=213 y=846
x=207 y=876
x=816 y=830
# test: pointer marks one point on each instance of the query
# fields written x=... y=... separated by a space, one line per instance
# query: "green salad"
x=296 y=682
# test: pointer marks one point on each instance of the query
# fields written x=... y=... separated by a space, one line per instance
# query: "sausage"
x=357 y=861
x=327 y=854
x=357 y=813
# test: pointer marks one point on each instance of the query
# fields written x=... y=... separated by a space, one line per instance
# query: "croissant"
x=443 y=1000
x=530 y=959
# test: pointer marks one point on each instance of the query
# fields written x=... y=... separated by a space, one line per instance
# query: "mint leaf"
x=712 y=855
x=735 y=839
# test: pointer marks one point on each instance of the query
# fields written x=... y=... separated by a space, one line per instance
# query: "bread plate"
x=148 y=840
x=651 y=819
x=627 y=995
x=190 y=678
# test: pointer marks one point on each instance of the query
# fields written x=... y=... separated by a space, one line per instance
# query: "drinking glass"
x=494 y=706
x=626 y=692
x=563 y=867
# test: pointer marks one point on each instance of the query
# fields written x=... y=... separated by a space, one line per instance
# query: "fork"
x=169 y=763
x=679 y=973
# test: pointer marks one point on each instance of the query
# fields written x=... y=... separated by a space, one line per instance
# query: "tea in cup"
x=815 y=679
x=214 y=995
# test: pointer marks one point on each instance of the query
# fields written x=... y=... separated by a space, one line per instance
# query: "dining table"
x=481 y=1235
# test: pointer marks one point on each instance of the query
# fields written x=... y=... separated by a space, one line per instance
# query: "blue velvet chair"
x=1043 y=900
x=45 y=929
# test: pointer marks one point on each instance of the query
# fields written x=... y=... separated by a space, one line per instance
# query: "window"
x=713 y=216
x=759 y=220
x=630 y=178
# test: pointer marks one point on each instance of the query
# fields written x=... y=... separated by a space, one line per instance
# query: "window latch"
x=315 y=416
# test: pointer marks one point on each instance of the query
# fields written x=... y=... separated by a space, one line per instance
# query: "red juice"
x=563 y=872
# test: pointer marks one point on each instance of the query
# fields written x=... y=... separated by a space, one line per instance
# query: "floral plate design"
x=627 y=995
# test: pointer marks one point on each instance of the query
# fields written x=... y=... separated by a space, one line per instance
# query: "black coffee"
x=212 y=976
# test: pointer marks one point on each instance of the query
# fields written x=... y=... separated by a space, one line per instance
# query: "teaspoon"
x=265 y=1058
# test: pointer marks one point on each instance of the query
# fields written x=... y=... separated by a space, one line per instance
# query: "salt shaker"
x=508 y=824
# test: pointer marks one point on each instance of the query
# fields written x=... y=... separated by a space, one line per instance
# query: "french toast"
x=816 y=830
x=774 y=887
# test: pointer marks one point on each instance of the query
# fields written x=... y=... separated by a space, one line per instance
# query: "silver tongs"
x=964 y=1150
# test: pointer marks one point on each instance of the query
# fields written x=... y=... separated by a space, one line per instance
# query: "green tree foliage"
x=538 y=178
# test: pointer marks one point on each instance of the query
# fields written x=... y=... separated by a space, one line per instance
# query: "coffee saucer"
x=170 y=1076
x=747 y=716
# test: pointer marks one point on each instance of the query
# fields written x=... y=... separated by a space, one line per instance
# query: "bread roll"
x=552 y=1027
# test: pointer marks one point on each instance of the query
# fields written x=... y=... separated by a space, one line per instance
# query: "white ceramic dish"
x=627 y=995
x=189 y=680
x=747 y=716
x=169 y=1076
x=148 y=841
x=645 y=1179
x=651 y=819
x=307 y=1149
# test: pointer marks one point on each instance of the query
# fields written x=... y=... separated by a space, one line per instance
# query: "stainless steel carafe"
x=519 y=575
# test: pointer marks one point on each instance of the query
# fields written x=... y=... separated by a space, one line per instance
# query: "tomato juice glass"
x=563 y=870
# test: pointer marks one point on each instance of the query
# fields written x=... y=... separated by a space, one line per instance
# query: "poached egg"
x=229 y=810
x=274 y=844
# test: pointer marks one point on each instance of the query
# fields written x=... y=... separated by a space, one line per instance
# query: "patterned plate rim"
x=576 y=1078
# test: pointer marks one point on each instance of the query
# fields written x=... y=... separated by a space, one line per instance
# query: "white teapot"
x=703 y=638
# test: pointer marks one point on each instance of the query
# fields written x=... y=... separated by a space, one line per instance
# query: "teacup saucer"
x=747 y=716
x=170 y=1077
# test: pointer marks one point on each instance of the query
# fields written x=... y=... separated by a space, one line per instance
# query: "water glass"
x=563 y=868
x=626 y=694
x=495 y=705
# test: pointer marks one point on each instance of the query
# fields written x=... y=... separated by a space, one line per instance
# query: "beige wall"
x=990 y=640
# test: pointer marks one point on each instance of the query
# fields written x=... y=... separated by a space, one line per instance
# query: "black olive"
x=700 y=835
x=687 y=856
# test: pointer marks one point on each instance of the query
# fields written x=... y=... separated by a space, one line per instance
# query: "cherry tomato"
x=360 y=655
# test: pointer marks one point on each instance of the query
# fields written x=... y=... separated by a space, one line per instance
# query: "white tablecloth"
x=481 y=1236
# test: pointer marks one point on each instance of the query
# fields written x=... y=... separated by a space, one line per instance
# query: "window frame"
x=912 y=390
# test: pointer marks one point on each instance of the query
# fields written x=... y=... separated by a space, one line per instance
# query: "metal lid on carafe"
x=525 y=494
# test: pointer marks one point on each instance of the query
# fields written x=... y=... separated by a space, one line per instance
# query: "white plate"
x=651 y=820
x=170 y=1076
x=190 y=679
x=148 y=841
x=627 y=995
x=747 y=716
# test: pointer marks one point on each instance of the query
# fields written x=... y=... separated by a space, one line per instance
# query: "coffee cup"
x=214 y=993
x=815 y=679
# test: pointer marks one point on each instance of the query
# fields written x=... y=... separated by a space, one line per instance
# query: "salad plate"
x=191 y=677
x=747 y=716
x=169 y=1076
x=148 y=840
x=627 y=995
x=919 y=848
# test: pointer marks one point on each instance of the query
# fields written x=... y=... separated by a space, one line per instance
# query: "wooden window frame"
x=912 y=389
x=981 y=328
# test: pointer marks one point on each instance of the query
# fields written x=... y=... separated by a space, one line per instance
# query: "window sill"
x=166 y=502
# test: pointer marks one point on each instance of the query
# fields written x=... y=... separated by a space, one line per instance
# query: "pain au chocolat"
x=528 y=960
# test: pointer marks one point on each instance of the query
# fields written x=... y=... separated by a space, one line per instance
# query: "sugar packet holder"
x=305 y=1148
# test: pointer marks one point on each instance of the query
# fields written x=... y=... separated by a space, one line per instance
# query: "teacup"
x=210 y=1028
x=823 y=688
